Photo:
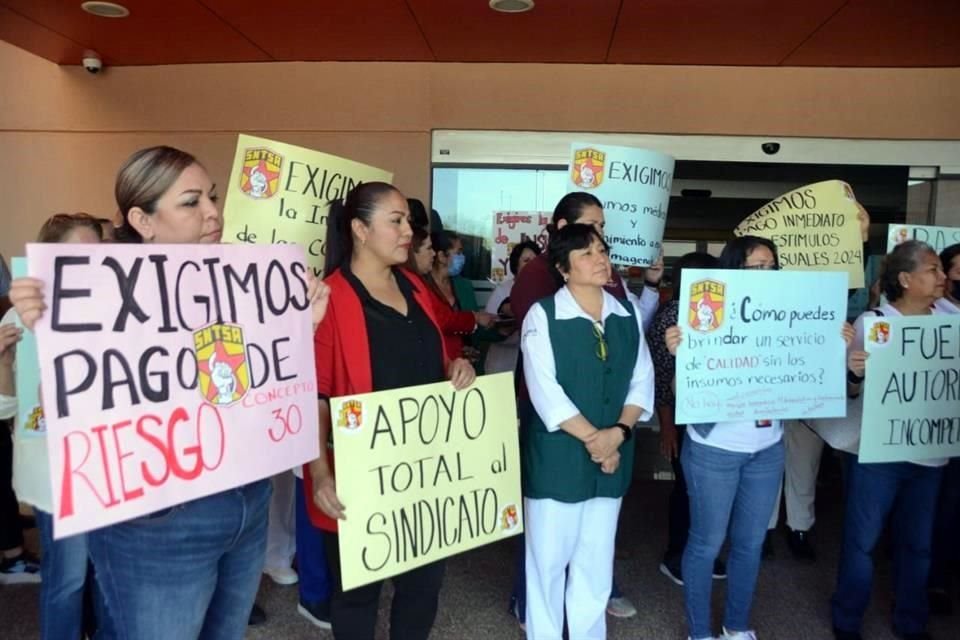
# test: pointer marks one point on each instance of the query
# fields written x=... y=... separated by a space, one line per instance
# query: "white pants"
x=281 y=530
x=569 y=549
x=803 y=449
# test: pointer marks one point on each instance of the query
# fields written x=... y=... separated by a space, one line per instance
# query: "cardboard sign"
x=170 y=372
x=280 y=193
x=757 y=345
x=510 y=228
x=911 y=402
x=634 y=187
x=937 y=237
x=815 y=228
x=425 y=473
x=31 y=469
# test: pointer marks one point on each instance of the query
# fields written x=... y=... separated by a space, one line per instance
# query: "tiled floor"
x=791 y=602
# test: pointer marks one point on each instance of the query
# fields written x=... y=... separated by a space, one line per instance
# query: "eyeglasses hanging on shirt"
x=601 y=349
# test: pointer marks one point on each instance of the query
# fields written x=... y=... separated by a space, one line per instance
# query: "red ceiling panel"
x=708 y=32
x=886 y=33
x=328 y=29
x=862 y=33
x=168 y=32
x=554 y=31
x=37 y=39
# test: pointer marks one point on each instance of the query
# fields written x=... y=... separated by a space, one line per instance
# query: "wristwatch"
x=627 y=431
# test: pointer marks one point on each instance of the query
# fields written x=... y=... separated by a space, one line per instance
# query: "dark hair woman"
x=502 y=356
x=380 y=334
x=191 y=570
x=590 y=380
x=733 y=472
x=903 y=492
x=456 y=325
x=538 y=280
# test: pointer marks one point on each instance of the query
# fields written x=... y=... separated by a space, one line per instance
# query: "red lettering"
x=180 y=415
x=67 y=486
x=151 y=479
x=121 y=454
x=221 y=434
x=99 y=429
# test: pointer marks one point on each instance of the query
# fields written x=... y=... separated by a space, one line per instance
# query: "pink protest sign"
x=170 y=372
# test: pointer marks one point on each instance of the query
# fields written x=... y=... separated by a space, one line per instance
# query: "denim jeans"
x=908 y=494
x=315 y=584
x=190 y=571
x=63 y=566
x=728 y=491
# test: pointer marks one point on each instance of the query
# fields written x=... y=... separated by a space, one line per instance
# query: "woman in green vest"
x=590 y=379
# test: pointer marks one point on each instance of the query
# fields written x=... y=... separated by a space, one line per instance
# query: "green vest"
x=556 y=465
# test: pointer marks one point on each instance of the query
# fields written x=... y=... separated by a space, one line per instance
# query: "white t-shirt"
x=943 y=305
x=740 y=436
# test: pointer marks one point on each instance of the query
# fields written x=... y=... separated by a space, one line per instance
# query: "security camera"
x=92 y=62
x=770 y=148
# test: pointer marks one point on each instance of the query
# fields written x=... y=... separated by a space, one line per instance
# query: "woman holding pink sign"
x=191 y=570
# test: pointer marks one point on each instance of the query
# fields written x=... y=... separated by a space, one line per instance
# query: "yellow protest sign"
x=280 y=193
x=425 y=473
x=815 y=228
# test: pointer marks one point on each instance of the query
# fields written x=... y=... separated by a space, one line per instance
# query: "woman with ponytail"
x=380 y=333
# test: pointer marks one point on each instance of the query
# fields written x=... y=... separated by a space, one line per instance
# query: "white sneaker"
x=283 y=576
x=738 y=635
x=621 y=608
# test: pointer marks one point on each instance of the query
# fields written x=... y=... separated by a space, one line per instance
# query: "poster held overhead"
x=280 y=193
x=819 y=227
x=633 y=186
x=937 y=237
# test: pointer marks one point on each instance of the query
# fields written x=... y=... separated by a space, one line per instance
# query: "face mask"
x=455 y=267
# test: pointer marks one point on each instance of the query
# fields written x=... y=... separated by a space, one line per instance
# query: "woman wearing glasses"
x=733 y=472
x=590 y=378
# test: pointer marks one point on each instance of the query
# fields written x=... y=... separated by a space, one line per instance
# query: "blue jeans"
x=63 y=566
x=728 y=491
x=190 y=571
x=908 y=494
x=312 y=565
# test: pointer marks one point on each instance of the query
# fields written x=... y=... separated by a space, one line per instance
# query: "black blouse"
x=404 y=350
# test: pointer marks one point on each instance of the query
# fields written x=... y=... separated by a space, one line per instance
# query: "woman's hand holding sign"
x=461 y=373
x=325 y=495
x=673 y=337
x=26 y=294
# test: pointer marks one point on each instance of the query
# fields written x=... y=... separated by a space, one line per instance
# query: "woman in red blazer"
x=454 y=324
x=379 y=333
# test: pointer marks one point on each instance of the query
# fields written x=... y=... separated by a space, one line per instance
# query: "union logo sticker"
x=260 y=178
x=706 y=305
x=509 y=518
x=350 y=417
x=35 y=421
x=879 y=333
x=223 y=372
x=587 y=171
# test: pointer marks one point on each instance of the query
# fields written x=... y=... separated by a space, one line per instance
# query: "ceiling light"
x=511 y=6
x=105 y=9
